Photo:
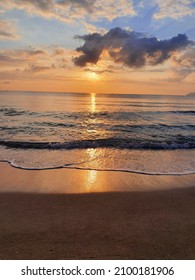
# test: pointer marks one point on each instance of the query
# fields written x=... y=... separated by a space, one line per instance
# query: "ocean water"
x=149 y=134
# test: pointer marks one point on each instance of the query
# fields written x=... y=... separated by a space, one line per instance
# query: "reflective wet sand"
x=110 y=215
x=67 y=180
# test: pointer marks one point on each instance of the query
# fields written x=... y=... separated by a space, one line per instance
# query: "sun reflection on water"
x=93 y=102
x=91 y=177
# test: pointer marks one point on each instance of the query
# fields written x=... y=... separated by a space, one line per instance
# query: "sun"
x=93 y=76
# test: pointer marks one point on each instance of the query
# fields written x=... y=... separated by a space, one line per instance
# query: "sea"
x=146 y=134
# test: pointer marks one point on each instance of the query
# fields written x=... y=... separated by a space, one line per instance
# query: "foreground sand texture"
x=150 y=224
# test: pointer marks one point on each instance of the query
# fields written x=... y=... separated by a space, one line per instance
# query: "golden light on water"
x=91 y=174
x=93 y=102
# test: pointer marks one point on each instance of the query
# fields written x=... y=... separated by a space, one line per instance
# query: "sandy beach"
x=148 y=217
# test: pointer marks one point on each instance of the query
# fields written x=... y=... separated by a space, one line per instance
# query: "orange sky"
x=39 y=51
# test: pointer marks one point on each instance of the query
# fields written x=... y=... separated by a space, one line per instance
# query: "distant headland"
x=191 y=94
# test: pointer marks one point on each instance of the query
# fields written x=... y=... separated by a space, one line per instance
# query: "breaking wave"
x=177 y=142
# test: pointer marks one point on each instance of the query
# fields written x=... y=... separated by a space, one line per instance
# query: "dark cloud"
x=129 y=48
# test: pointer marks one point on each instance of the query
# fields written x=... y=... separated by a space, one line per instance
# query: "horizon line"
x=108 y=93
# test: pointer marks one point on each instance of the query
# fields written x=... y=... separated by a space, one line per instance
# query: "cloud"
x=183 y=65
x=185 y=60
x=69 y=10
x=8 y=30
x=129 y=48
x=190 y=78
x=6 y=82
x=32 y=6
x=174 y=8
x=29 y=55
x=26 y=63
x=39 y=68
x=20 y=56
x=59 y=51
x=98 y=71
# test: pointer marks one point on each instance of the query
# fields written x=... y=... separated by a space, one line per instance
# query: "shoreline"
x=75 y=180
x=120 y=216
x=13 y=165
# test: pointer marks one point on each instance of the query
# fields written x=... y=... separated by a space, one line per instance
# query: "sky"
x=113 y=46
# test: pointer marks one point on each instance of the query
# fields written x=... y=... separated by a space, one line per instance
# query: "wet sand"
x=146 y=217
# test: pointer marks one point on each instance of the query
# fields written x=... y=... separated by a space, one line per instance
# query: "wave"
x=54 y=124
x=132 y=127
x=177 y=142
x=120 y=127
x=101 y=114
x=187 y=112
x=74 y=166
x=15 y=112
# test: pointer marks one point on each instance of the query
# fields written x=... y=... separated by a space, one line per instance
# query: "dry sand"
x=153 y=218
